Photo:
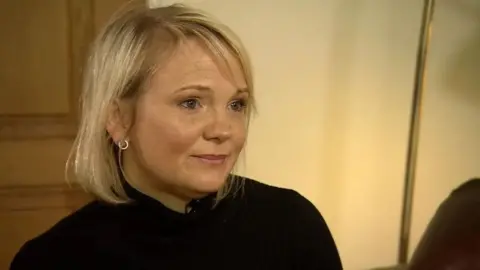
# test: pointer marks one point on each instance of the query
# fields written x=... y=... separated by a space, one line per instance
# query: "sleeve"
x=35 y=255
x=313 y=243
x=24 y=259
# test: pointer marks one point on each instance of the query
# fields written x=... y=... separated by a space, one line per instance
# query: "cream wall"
x=333 y=82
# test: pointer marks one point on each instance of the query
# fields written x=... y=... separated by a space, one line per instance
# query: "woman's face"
x=189 y=126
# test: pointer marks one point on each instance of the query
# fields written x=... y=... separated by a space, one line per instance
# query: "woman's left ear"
x=119 y=120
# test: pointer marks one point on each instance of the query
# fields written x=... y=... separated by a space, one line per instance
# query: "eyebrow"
x=205 y=88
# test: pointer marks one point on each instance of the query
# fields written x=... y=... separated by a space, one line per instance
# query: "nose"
x=219 y=128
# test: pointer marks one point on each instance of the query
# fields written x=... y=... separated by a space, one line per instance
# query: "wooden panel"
x=104 y=9
x=44 y=197
x=36 y=127
x=37 y=48
x=40 y=73
x=33 y=162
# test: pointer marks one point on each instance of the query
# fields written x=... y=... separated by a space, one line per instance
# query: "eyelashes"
x=238 y=105
x=190 y=104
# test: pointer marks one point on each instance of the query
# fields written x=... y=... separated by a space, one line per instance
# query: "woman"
x=166 y=103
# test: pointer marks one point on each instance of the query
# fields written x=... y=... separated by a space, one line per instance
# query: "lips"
x=212 y=159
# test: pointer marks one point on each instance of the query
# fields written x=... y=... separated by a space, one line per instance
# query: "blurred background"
x=334 y=81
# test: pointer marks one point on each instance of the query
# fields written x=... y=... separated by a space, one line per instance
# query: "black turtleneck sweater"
x=265 y=228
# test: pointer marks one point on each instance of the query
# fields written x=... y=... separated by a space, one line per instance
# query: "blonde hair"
x=122 y=59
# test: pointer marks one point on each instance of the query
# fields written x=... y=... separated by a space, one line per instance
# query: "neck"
x=154 y=188
x=173 y=202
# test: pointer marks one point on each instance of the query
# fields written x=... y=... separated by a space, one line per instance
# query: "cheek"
x=163 y=138
x=239 y=134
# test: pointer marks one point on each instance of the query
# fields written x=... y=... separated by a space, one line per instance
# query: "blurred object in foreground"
x=452 y=238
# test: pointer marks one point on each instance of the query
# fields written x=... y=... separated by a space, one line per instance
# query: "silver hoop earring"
x=122 y=145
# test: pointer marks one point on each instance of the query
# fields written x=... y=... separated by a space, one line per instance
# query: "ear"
x=119 y=120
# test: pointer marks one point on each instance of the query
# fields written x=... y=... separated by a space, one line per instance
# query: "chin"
x=208 y=183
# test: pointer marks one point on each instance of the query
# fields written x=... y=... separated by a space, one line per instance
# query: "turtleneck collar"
x=194 y=209
x=143 y=207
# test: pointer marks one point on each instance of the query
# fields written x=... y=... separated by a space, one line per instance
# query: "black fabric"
x=265 y=227
x=452 y=238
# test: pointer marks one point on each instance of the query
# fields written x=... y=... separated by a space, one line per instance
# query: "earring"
x=123 y=144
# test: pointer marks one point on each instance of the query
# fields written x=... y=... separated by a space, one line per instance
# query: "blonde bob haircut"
x=123 y=57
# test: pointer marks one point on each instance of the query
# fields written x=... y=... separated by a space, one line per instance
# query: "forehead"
x=191 y=60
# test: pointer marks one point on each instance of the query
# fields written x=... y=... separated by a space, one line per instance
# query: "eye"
x=238 y=105
x=190 y=104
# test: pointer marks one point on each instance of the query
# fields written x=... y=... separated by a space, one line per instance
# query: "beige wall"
x=334 y=82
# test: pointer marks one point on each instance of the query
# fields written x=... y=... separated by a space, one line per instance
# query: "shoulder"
x=471 y=185
x=308 y=234
x=81 y=223
x=64 y=241
x=278 y=198
x=282 y=205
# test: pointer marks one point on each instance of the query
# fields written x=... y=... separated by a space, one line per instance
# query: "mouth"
x=212 y=159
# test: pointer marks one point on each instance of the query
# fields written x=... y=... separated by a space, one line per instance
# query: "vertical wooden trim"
x=82 y=31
